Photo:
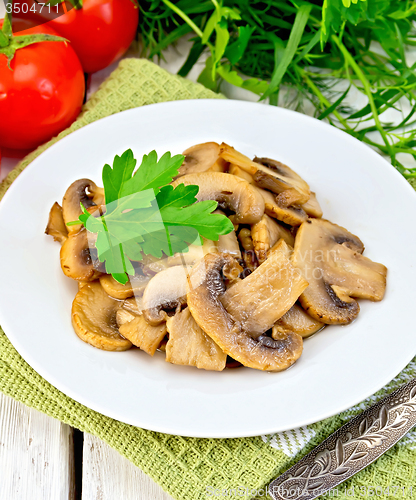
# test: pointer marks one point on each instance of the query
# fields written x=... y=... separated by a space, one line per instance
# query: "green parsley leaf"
x=144 y=217
x=152 y=174
x=114 y=178
x=199 y=217
x=181 y=196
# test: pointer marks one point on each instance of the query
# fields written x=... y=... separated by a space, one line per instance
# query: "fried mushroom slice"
x=166 y=291
x=266 y=233
x=264 y=296
x=135 y=328
x=134 y=305
x=56 y=226
x=268 y=174
x=248 y=255
x=189 y=345
x=82 y=191
x=134 y=287
x=138 y=331
x=239 y=172
x=230 y=191
x=233 y=332
x=194 y=254
x=94 y=319
x=312 y=207
x=329 y=257
x=228 y=243
x=201 y=158
x=124 y=316
x=278 y=178
x=293 y=216
x=76 y=261
x=296 y=320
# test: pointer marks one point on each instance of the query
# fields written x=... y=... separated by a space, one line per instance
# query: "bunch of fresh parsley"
x=309 y=46
x=144 y=215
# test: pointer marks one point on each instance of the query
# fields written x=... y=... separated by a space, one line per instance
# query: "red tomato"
x=41 y=94
x=100 y=32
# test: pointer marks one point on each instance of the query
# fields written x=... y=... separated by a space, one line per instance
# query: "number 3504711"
x=23 y=8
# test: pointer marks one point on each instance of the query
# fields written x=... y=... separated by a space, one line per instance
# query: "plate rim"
x=44 y=373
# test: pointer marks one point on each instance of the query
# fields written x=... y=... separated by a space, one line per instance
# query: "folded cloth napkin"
x=189 y=468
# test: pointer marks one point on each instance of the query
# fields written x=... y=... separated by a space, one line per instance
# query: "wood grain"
x=109 y=476
x=36 y=455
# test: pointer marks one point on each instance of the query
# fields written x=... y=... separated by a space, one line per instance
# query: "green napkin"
x=189 y=468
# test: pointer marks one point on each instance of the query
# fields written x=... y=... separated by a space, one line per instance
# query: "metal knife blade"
x=351 y=448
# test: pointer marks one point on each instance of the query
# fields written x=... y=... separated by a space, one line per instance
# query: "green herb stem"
x=182 y=14
x=368 y=92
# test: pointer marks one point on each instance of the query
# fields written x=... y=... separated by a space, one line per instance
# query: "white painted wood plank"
x=36 y=454
x=106 y=475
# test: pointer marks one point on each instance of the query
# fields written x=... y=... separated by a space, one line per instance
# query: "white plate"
x=339 y=367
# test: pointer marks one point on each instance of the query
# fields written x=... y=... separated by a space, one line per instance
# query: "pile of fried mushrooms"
x=248 y=299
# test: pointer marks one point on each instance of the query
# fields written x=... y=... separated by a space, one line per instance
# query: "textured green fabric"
x=188 y=468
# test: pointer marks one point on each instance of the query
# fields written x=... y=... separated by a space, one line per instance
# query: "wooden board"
x=36 y=454
x=109 y=476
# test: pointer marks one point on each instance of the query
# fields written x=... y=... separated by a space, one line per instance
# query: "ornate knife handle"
x=351 y=448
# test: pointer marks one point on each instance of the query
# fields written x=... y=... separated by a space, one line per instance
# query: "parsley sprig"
x=144 y=215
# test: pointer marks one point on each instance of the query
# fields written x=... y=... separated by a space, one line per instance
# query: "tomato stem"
x=4 y=41
x=9 y=43
x=77 y=4
x=7 y=24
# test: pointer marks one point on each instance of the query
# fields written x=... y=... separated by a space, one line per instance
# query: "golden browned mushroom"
x=189 y=345
x=239 y=172
x=124 y=316
x=201 y=158
x=56 y=226
x=94 y=318
x=329 y=257
x=279 y=178
x=312 y=207
x=248 y=255
x=166 y=291
x=236 y=319
x=266 y=233
x=147 y=337
x=228 y=243
x=293 y=216
x=76 y=261
x=281 y=246
x=135 y=328
x=296 y=320
x=135 y=286
x=268 y=174
x=259 y=300
x=230 y=191
x=194 y=254
x=82 y=191
x=133 y=306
